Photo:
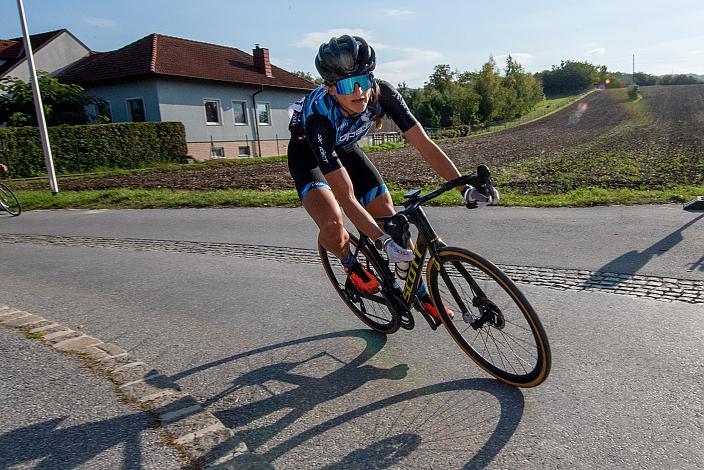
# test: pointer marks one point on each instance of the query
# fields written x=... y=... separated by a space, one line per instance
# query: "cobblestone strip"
x=193 y=429
x=651 y=287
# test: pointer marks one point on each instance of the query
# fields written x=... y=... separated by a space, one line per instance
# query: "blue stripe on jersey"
x=312 y=185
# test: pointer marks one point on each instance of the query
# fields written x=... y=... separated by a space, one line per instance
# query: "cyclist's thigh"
x=304 y=169
x=314 y=192
x=368 y=183
x=321 y=205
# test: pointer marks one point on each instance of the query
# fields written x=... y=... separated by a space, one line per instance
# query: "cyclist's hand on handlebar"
x=395 y=252
x=472 y=196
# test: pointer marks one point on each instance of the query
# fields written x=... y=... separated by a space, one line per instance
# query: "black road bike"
x=9 y=202
x=493 y=322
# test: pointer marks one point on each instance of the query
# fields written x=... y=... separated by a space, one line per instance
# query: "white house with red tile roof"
x=53 y=51
x=231 y=103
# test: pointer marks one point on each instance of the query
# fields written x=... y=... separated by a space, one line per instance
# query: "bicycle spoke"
x=371 y=309
x=507 y=343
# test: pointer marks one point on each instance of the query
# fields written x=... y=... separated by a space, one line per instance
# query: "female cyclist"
x=331 y=171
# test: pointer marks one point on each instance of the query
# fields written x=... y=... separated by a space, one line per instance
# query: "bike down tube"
x=436 y=244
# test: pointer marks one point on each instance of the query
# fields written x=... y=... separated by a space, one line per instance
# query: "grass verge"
x=165 y=198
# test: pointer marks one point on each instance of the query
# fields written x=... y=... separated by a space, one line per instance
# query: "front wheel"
x=9 y=202
x=371 y=309
x=493 y=322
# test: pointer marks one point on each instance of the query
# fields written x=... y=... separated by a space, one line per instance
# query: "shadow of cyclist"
x=308 y=393
x=628 y=264
x=384 y=453
x=61 y=446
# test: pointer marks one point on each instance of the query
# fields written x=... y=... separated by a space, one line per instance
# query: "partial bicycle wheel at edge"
x=372 y=310
x=511 y=345
x=9 y=201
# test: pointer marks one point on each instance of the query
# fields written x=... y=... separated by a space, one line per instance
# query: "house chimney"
x=261 y=60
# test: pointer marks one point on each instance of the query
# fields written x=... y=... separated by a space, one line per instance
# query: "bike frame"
x=427 y=241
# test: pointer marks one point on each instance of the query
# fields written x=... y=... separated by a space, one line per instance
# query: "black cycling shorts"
x=303 y=165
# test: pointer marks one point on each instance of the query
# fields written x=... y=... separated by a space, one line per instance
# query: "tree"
x=644 y=79
x=524 y=90
x=487 y=84
x=571 y=77
x=680 y=79
x=441 y=78
x=63 y=103
x=308 y=76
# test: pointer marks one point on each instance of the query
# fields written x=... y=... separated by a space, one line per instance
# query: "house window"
x=135 y=108
x=217 y=152
x=99 y=113
x=244 y=151
x=263 y=116
x=240 y=110
x=212 y=112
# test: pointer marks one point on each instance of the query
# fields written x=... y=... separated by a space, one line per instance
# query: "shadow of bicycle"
x=296 y=403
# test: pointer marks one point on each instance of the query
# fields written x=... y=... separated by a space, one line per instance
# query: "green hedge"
x=78 y=149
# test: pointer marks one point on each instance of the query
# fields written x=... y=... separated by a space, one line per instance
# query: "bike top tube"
x=478 y=180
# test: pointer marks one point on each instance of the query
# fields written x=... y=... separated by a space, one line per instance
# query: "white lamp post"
x=41 y=121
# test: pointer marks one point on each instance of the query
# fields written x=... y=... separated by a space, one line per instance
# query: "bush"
x=453 y=132
x=78 y=149
x=633 y=92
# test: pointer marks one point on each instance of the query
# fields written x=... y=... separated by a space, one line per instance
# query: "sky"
x=409 y=37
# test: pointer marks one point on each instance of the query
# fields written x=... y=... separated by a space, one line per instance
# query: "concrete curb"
x=193 y=430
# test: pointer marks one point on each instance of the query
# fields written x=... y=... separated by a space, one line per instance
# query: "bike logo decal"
x=413 y=271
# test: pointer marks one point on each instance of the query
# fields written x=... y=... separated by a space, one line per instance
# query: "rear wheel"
x=371 y=309
x=493 y=322
x=9 y=202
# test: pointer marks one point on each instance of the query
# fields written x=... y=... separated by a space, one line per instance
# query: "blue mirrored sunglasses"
x=346 y=85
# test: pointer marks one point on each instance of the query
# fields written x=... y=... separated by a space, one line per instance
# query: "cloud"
x=397 y=13
x=523 y=58
x=99 y=22
x=414 y=67
x=315 y=39
x=596 y=51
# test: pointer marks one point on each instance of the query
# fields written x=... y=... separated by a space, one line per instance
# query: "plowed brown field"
x=603 y=141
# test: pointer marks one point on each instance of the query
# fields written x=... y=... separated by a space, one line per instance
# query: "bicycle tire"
x=369 y=311
x=9 y=201
x=512 y=346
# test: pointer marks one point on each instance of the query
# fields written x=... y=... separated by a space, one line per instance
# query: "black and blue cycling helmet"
x=344 y=57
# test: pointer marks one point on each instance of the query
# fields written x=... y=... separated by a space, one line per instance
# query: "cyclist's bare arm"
x=431 y=153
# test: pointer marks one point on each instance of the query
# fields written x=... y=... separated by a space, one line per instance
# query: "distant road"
x=661 y=240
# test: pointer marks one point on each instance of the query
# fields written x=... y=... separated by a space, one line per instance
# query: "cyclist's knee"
x=333 y=231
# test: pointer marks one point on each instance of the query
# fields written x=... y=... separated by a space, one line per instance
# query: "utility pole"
x=633 y=76
x=39 y=108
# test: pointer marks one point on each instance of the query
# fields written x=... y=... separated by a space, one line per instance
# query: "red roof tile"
x=157 y=54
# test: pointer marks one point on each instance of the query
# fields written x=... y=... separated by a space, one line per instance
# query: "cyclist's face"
x=355 y=102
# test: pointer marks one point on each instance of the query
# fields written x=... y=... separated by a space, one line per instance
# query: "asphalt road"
x=267 y=346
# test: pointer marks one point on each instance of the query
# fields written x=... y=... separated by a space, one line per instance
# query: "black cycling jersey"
x=323 y=139
x=320 y=119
